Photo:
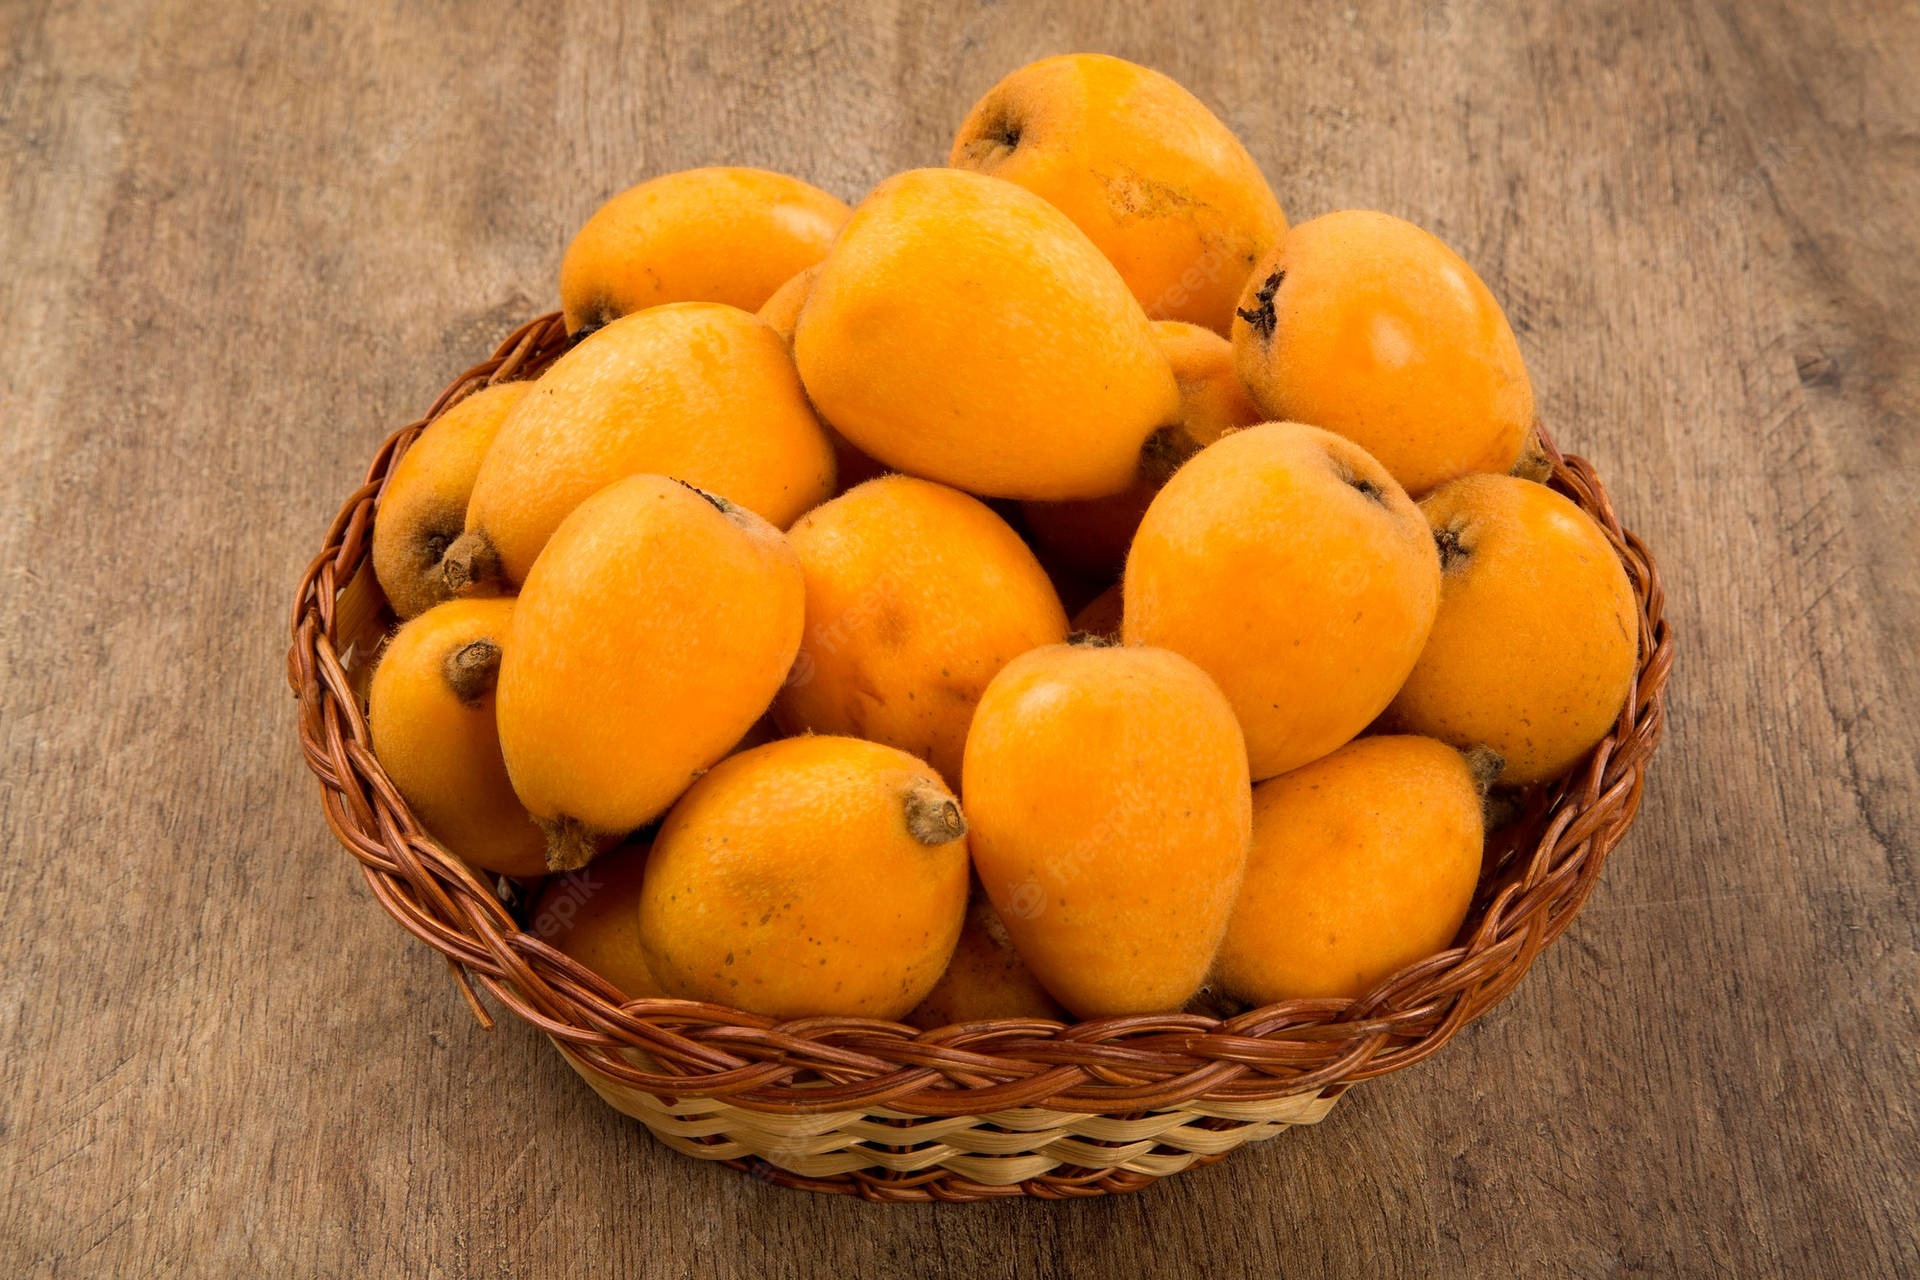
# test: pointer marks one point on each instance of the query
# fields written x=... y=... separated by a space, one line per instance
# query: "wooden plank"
x=242 y=242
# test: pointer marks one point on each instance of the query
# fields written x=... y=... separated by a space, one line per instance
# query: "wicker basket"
x=967 y=1112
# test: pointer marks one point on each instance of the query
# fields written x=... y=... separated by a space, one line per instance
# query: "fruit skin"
x=916 y=596
x=1152 y=176
x=1534 y=647
x=1287 y=563
x=964 y=331
x=593 y=915
x=783 y=313
x=1213 y=400
x=423 y=507
x=1367 y=325
x=985 y=979
x=1363 y=862
x=1091 y=536
x=722 y=234
x=431 y=712
x=1108 y=796
x=812 y=876
x=782 y=309
x=652 y=633
x=699 y=391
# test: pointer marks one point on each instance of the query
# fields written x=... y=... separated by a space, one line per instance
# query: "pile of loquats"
x=743 y=622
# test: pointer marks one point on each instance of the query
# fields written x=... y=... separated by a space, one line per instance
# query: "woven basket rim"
x=1540 y=871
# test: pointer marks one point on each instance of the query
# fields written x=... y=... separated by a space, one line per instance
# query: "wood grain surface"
x=239 y=242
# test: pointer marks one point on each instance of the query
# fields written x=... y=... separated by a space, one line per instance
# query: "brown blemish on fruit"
x=570 y=845
x=1533 y=463
x=1164 y=452
x=933 y=816
x=1261 y=318
x=719 y=503
x=471 y=566
x=891 y=625
x=1135 y=195
x=1486 y=766
x=1452 y=548
x=1360 y=484
x=471 y=670
x=435 y=529
x=998 y=140
x=995 y=929
x=596 y=317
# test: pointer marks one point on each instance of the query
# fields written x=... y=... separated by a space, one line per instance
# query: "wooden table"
x=240 y=242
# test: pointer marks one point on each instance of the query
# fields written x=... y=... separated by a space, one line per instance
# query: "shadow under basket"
x=986 y=1109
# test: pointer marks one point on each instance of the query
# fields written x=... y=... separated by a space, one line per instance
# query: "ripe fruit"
x=651 y=634
x=593 y=915
x=916 y=596
x=1534 y=646
x=1213 y=400
x=1091 y=536
x=963 y=330
x=430 y=709
x=1363 y=862
x=783 y=313
x=1287 y=563
x=423 y=507
x=1107 y=792
x=1366 y=325
x=698 y=391
x=985 y=979
x=1153 y=177
x=729 y=235
x=814 y=875
x=782 y=310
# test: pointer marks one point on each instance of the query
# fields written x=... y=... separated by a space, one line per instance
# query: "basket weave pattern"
x=1011 y=1107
